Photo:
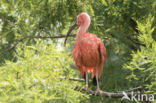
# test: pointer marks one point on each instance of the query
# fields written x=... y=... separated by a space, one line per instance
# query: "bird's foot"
x=98 y=92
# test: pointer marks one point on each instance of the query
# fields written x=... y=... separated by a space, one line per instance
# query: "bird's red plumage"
x=89 y=52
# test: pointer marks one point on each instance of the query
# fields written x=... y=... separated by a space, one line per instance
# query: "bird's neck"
x=82 y=29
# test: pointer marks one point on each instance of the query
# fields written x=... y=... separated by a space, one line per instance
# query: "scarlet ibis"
x=89 y=51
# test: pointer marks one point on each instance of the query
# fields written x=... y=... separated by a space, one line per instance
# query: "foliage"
x=127 y=28
x=143 y=62
x=34 y=78
x=20 y=18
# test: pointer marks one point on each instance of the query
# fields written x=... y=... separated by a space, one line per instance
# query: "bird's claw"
x=98 y=92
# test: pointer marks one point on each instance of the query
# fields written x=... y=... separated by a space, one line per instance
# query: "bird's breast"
x=86 y=51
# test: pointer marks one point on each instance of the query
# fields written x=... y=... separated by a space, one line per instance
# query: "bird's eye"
x=79 y=20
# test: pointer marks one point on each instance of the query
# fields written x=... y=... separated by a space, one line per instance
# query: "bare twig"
x=134 y=92
x=43 y=37
x=137 y=91
x=72 y=78
x=140 y=88
x=120 y=94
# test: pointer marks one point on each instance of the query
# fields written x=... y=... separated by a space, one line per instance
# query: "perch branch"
x=140 y=88
x=134 y=92
x=137 y=91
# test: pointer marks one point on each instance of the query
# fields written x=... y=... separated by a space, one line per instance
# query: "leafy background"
x=33 y=58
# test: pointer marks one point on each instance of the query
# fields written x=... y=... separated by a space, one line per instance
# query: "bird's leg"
x=98 y=91
x=86 y=88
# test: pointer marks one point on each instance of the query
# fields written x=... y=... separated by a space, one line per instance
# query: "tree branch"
x=137 y=92
x=132 y=94
x=140 y=88
x=43 y=37
x=73 y=79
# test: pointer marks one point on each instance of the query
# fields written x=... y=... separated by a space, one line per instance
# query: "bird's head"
x=82 y=19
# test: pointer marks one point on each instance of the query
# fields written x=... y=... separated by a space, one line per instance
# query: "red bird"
x=89 y=52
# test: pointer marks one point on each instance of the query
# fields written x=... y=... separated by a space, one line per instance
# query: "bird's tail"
x=94 y=81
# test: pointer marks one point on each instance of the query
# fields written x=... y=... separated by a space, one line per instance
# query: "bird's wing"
x=102 y=54
x=77 y=58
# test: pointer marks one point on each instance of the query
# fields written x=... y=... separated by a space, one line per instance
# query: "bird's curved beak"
x=69 y=31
